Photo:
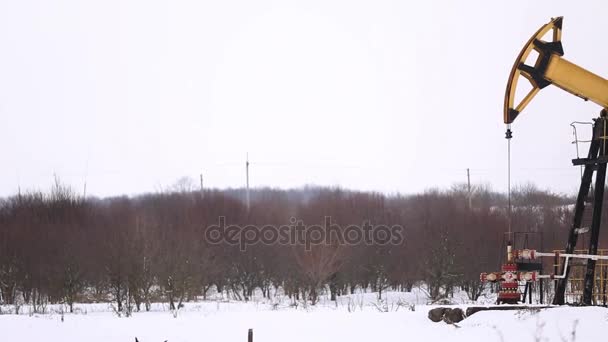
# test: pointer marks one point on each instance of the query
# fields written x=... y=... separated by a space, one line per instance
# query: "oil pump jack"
x=550 y=68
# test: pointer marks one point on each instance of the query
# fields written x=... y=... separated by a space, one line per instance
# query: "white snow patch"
x=357 y=317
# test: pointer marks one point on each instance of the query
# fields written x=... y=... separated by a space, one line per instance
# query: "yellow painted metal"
x=527 y=99
x=515 y=72
x=578 y=81
x=558 y=71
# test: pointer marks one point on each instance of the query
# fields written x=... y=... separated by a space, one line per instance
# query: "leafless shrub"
x=56 y=247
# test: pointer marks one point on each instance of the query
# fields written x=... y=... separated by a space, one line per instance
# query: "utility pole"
x=202 y=193
x=247 y=182
x=86 y=174
x=18 y=185
x=469 y=187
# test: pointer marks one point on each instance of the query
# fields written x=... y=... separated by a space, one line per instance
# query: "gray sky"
x=371 y=95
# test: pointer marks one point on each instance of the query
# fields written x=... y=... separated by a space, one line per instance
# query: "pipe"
x=553 y=276
x=531 y=254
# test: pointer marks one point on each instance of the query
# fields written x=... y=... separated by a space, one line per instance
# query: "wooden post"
x=469 y=188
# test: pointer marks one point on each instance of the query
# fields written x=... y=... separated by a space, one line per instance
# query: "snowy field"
x=358 y=317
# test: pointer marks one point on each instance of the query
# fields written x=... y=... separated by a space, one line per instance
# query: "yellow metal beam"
x=576 y=80
x=551 y=68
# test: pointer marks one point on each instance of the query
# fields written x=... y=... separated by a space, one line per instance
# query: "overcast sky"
x=369 y=95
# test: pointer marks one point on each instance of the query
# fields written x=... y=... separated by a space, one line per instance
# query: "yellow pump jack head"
x=551 y=68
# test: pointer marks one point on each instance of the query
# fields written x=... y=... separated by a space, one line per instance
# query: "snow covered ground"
x=358 y=317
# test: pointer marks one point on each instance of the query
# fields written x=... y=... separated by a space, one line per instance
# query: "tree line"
x=58 y=247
